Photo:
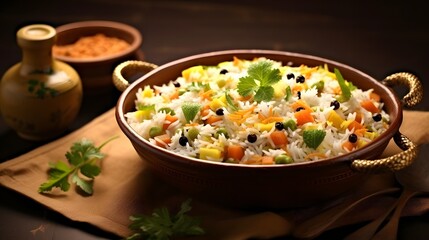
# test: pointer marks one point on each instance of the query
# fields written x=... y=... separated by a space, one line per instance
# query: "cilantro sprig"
x=261 y=76
x=83 y=166
x=163 y=226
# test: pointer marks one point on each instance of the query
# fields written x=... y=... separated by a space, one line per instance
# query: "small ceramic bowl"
x=96 y=72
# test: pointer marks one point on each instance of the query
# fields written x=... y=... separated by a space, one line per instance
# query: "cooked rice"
x=207 y=86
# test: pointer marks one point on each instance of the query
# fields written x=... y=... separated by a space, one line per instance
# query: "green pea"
x=155 y=131
x=290 y=124
x=193 y=133
x=221 y=131
x=283 y=159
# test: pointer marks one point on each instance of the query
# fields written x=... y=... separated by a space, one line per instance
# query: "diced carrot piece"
x=174 y=95
x=297 y=88
x=300 y=103
x=279 y=138
x=303 y=116
x=163 y=140
x=355 y=125
x=272 y=119
x=169 y=119
x=255 y=159
x=235 y=152
x=207 y=95
x=205 y=110
x=369 y=106
x=212 y=119
x=358 y=117
x=360 y=132
x=374 y=96
x=349 y=145
x=267 y=160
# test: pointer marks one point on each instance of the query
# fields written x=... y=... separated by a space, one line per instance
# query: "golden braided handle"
x=405 y=158
x=392 y=163
x=415 y=94
x=130 y=68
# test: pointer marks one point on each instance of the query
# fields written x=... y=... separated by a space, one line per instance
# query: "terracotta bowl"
x=96 y=72
x=272 y=186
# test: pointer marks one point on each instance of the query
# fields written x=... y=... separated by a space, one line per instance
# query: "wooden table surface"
x=376 y=37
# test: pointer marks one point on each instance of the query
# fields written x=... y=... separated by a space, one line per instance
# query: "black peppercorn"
x=183 y=140
x=335 y=104
x=176 y=84
x=252 y=138
x=290 y=76
x=299 y=94
x=219 y=112
x=223 y=71
x=300 y=79
x=377 y=117
x=353 y=138
x=279 y=126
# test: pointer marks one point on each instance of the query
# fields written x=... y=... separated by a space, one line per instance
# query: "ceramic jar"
x=40 y=96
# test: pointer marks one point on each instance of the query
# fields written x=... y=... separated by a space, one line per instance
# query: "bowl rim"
x=136 y=43
x=348 y=157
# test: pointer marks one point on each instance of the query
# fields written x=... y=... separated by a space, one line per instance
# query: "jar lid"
x=36 y=35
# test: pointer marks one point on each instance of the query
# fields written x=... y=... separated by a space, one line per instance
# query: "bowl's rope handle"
x=129 y=68
x=415 y=93
x=392 y=163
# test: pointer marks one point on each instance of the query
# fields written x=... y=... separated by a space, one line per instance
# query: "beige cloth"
x=125 y=187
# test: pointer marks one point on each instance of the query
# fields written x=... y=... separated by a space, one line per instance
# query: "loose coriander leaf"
x=90 y=170
x=58 y=177
x=86 y=186
x=313 y=137
x=345 y=90
x=190 y=110
x=83 y=156
x=186 y=225
x=185 y=207
x=246 y=86
x=83 y=151
x=161 y=225
x=264 y=93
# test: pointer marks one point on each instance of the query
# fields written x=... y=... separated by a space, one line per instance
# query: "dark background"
x=376 y=37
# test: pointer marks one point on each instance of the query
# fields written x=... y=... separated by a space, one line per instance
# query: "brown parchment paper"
x=126 y=187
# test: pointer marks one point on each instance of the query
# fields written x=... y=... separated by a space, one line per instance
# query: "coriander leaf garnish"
x=161 y=225
x=313 y=137
x=246 y=86
x=190 y=110
x=264 y=93
x=83 y=159
x=260 y=77
x=345 y=90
